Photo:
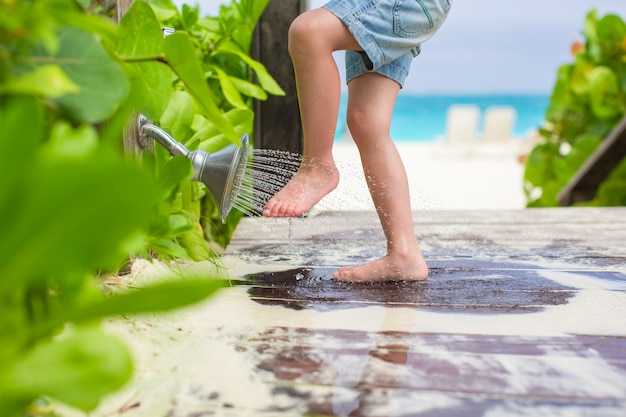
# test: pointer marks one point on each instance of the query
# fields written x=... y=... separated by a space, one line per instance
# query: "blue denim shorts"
x=390 y=32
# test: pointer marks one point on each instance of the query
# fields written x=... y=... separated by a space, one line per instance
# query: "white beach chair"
x=462 y=124
x=498 y=124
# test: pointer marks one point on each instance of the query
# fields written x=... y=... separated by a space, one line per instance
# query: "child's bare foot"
x=387 y=268
x=310 y=184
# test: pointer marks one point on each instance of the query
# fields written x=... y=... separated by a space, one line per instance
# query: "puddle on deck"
x=473 y=290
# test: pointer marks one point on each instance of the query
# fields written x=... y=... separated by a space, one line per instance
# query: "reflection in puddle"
x=354 y=373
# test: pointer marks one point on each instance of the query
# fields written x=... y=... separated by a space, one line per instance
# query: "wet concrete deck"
x=524 y=314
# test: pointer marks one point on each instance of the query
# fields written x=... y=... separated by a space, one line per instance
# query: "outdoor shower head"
x=222 y=171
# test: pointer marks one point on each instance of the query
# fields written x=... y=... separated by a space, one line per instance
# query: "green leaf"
x=167 y=247
x=549 y=193
x=265 y=79
x=230 y=91
x=212 y=141
x=190 y=16
x=582 y=148
x=254 y=8
x=196 y=245
x=611 y=31
x=93 y=23
x=23 y=118
x=178 y=116
x=605 y=93
x=175 y=171
x=47 y=80
x=66 y=141
x=249 y=89
x=211 y=24
x=611 y=193
x=243 y=119
x=180 y=54
x=163 y=296
x=539 y=163
x=164 y=9
x=180 y=224
x=103 y=84
x=141 y=38
x=562 y=169
x=77 y=370
x=84 y=198
x=592 y=46
x=579 y=82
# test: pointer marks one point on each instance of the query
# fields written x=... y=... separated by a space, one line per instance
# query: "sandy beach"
x=441 y=176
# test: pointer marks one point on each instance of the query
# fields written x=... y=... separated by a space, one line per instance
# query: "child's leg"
x=313 y=37
x=371 y=98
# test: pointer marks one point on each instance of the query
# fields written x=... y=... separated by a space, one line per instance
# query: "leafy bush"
x=588 y=100
x=72 y=205
x=222 y=45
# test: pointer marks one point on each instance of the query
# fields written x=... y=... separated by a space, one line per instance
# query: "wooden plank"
x=545 y=226
x=584 y=185
x=387 y=373
x=277 y=119
x=496 y=330
x=522 y=269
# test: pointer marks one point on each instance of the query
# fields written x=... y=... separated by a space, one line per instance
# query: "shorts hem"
x=360 y=33
x=396 y=73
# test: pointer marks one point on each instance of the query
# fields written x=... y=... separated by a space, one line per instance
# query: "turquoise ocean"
x=422 y=118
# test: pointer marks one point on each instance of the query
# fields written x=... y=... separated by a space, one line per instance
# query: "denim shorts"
x=390 y=32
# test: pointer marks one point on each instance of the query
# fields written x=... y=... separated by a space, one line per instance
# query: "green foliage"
x=72 y=205
x=139 y=41
x=588 y=100
x=69 y=206
x=211 y=106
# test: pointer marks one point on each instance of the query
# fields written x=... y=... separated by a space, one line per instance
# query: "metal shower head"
x=222 y=171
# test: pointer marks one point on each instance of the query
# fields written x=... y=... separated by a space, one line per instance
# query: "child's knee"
x=301 y=32
x=358 y=122
x=314 y=31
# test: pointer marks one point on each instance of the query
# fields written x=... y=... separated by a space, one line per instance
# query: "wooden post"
x=277 y=120
x=133 y=145
x=121 y=8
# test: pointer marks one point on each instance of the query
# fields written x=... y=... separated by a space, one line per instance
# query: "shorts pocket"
x=415 y=18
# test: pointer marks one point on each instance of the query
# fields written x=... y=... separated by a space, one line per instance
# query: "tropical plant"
x=72 y=205
x=222 y=44
x=588 y=100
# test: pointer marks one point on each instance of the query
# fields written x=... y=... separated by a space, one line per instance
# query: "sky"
x=493 y=46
